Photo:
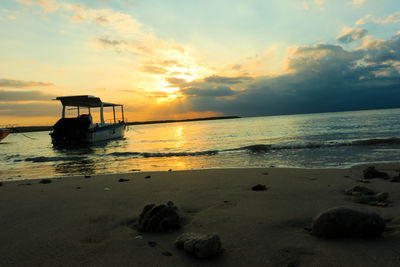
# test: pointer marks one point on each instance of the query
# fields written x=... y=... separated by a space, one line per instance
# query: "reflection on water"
x=313 y=140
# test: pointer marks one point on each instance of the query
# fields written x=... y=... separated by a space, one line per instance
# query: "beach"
x=85 y=221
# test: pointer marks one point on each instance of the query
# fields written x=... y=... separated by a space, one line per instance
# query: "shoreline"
x=60 y=224
x=338 y=167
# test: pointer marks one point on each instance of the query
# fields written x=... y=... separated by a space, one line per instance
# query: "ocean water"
x=324 y=140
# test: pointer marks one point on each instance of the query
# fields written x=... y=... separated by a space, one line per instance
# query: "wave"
x=52 y=159
x=160 y=154
x=262 y=148
x=254 y=149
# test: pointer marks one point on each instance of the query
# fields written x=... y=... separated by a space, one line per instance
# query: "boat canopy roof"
x=84 y=101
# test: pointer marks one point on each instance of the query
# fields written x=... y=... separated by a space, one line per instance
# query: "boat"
x=4 y=132
x=81 y=129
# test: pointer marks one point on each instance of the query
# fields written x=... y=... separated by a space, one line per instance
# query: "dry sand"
x=57 y=224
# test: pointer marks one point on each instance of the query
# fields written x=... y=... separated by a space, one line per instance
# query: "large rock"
x=371 y=172
x=159 y=218
x=201 y=245
x=347 y=222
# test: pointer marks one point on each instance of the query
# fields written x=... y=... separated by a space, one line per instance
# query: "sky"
x=178 y=59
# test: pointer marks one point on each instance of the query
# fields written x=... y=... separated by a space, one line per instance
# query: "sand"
x=57 y=224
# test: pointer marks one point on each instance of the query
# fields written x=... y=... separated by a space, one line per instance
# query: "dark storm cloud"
x=21 y=83
x=380 y=51
x=351 y=35
x=226 y=80
x=7 y=96
x=321 y=78
x=213 y=92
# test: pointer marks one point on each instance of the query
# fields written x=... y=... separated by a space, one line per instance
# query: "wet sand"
x=78 y=221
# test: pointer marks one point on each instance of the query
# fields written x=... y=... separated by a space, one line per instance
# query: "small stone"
x=87 y=176
x=265 y=173
x=259 y=187
x=348 y=222
x=170 y=170
x=121 y=180
x=152 y=244
x=371 y=199
x=107 y=189
x=45 y=181
x=135 y=170
x=147 y=177
x=139 y=237
x=395 y=180
x=201 y=245
x=167 y=253
x=361 y=189
x=363 y=181
x=78 y=187
x=371 y=172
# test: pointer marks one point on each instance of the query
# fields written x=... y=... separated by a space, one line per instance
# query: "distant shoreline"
x=26 y=129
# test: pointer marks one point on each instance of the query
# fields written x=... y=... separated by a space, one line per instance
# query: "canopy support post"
x=114 y=113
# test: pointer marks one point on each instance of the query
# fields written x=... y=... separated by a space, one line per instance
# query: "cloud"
x=358 y=3
x=115 y=20
x=381 y=51
x=393 y=18
x=349 y=35
x=320 y=78
x=30 y=109
x=7 y=96
x=226 y=80
x=22 y=83
x=217 y=91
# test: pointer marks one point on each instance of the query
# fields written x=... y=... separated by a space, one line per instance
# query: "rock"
x=371 y=199
x=346 y=222
x=395 y=180
x=159 y=218
x=45 y=181
x=87 y=176
x=259 y=187
x=201 y=245
x=121 y=180
x=363 y=181
x=167 y=253
x=360 y=189
x=371 y=172
x=147 y=177
x=152 y=244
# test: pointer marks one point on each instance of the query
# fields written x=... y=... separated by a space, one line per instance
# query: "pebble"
x=259 y=187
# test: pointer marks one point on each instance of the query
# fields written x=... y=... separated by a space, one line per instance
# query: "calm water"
x=313 y=141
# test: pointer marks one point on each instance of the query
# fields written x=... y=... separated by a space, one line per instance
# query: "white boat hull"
x=104 y=133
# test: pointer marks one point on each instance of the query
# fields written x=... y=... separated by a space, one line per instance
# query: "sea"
x=323 y=140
